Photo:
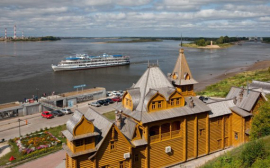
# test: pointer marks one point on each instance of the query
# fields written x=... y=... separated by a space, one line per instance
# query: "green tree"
x=261 y=122
x=200 y=42
x=220 y=40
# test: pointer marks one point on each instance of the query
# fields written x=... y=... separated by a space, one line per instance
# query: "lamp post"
x=37 y=93
x=19 y=127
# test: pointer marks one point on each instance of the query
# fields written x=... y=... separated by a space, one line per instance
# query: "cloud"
x=118 y=17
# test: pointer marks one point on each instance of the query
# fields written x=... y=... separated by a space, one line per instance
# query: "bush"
x=253 y=151
x=261 y=122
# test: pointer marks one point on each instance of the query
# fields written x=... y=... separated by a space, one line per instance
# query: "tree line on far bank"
x=220 y=40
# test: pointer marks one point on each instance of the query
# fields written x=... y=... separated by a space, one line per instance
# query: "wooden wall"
x=159 y=158
x=237 y=128
x=84 y=162
x=141 y=153
x=215 y=134
x=105 y=156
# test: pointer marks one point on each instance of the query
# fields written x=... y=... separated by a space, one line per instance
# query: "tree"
x=200 y=42
x=220 y=40
x=261 y=122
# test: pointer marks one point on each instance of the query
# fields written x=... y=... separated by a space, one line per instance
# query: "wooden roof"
x=265 y=86
x=152 y=78
x=146 y=117
x=240 y=111
x=181 y=69
x=249 y=99
x=220 y=108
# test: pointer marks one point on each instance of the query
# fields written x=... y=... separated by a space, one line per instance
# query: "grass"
x=56 y=131
x=222 y=88
x=235 y=158
x=110 y=115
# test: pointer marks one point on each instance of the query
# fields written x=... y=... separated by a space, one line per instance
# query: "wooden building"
x=159 y=123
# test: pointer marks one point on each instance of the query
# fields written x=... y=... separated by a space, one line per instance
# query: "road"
x=10 y=128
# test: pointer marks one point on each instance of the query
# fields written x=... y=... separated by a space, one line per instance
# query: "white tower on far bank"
x=5 y=33
x=15 y=32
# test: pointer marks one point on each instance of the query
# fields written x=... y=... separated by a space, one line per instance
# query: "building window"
x=88 y=141
x=127 y=102
x=236 y=135
x=78 y=142
x=121 y=165
x=201 y=132
x=153 y=105
x=172 y=102
x=112 y=145
x=177 y=102
x=136 y=158
x=105 y=166
x=159 y=104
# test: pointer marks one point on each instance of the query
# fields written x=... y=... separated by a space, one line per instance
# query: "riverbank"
x=220 y=46
x=249 y=72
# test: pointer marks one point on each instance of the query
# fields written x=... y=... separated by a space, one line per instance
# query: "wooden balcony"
x=165 y=136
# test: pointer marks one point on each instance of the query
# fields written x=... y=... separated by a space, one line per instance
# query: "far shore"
x=214 y=79
x=220 y=46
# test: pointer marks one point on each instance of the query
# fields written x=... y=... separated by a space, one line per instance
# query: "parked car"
x=110 y=101
x=121 y=91
x=57 y=113
x=96 y=104
x=204 y=99
x=46 y=114
x=114 y=92
x=109 y=94
x=116 y=99
x=101 y=102
x=66 y=111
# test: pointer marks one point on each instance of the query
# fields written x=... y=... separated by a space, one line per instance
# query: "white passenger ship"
x=83 y=61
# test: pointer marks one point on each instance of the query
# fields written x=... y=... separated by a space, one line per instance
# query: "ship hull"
x=74 y=68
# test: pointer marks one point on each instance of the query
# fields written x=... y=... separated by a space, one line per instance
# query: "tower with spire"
x=181 y=76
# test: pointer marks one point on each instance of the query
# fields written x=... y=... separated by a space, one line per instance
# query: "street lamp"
x=19 y=127
x=37 y=93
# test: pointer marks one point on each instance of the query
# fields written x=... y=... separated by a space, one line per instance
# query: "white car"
x=66 y=111
x=96 y=104
x=114 y=93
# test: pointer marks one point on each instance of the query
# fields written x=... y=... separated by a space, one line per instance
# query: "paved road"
x=10 y=128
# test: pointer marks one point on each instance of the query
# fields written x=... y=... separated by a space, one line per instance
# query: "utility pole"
x=19 y=127
x=37 y=93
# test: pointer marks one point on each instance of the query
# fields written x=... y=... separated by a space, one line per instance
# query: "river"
x=26 y=66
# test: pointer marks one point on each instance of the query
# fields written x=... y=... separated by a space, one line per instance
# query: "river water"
x=26 y=66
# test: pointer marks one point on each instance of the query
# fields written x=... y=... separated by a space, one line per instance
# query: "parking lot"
x=10 y=128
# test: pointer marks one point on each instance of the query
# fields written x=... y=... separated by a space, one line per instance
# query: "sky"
x=114 y=18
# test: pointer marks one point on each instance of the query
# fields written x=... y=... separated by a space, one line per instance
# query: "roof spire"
x=181 y=40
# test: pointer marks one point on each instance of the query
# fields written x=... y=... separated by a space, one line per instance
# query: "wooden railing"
x=154 y=138
x=166 y=135
x=175 y=133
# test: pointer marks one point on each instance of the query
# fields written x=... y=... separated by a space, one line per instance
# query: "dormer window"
x=177 y=102
x=172 y=102
x=159 y=104
x=186 y=76
x=153 y=105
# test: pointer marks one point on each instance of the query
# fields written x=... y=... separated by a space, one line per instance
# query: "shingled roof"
x=220 y=108
x=265 y=86
x=181 y=69
x=153 y=78
x=249 y=97
x=146 y=117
